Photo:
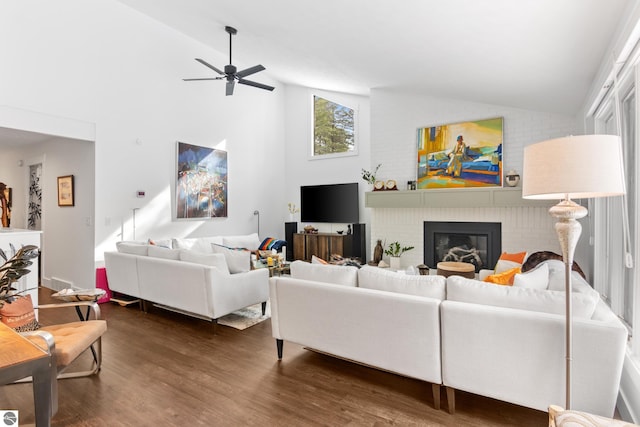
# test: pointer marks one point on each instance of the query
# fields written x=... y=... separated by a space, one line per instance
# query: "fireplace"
x=478 y=243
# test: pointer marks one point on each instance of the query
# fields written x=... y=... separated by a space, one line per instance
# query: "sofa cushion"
x=162 y=252
x=385 y=280
x=250 y=241
x=336 y=274
x=200 y=244
x=477 y=292
x=238 y=260
x=556 y=278
x=133 y=248
x=212 y=260
x=538 y=278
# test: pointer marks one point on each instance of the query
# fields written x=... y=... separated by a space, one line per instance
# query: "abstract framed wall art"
x=201 y=182
x=460 y=155
x=65 y=191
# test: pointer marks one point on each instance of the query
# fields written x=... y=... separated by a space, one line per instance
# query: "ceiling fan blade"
x=255 y=84
x=230 y=85
x=249 y=71
x=206 y=64
x=207 y=78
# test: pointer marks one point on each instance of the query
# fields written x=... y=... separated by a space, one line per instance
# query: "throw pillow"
x=212 y=260
x=318 y=260
x=165 y=243
x=509 y=261
x=538 y=278
x=504 y=278
x=271 y=243
x=19 y=314
x=162 y=252
x=238 y=259
x=250 y=241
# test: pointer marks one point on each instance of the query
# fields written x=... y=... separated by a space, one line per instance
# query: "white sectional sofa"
x=388 y=330
x=189 y=276
x=497 y=341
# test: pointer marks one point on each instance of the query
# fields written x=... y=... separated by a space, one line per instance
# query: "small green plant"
x=395 y=249
x=370 y=177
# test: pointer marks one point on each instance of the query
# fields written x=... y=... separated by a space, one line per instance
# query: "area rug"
x=246 y=317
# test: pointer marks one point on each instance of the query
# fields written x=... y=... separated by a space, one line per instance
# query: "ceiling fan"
x=230 y=71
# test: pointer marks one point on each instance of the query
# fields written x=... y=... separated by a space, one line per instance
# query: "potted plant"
x=13 y=269
x=395 y=251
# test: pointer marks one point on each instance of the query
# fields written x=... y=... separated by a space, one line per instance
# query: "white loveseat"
x=498 y=341
x=397 y=332
x=189 y=277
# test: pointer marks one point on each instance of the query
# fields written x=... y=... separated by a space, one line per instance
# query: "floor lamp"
x=575 y=167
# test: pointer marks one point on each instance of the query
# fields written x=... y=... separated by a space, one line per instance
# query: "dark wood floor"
x=163 y=368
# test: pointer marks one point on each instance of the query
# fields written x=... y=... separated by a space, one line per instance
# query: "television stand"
x=322 y=245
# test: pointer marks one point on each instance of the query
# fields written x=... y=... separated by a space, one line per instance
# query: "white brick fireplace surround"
x=528 y=229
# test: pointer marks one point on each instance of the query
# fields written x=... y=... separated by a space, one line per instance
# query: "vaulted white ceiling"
x=534 y=54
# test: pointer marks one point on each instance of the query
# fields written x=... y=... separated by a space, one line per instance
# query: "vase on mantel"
x=394 y=263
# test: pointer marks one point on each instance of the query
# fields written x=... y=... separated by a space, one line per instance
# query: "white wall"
x=395 y=117
x=103 y=63
x=302 y=170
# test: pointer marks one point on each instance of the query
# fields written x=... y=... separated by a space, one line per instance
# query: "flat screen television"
x=337 y=203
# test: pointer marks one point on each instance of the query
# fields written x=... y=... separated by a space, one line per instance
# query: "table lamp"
x=574 y=167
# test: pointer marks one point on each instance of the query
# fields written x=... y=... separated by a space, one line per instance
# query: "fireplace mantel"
x=455 y=198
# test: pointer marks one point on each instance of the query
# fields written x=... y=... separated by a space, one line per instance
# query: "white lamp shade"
x=573 y=167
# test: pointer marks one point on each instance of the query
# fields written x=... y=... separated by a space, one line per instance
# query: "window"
x=334 y=128
x=612 y=277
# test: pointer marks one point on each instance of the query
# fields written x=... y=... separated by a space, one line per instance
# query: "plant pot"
x=394 y=262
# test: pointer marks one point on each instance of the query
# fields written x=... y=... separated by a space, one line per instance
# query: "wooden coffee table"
x=451 y=268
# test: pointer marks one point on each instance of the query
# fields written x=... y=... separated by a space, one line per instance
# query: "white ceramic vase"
x=394 y=263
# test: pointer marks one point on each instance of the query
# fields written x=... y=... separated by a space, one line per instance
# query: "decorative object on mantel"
x=595 y=169
x=459 y=155
x=377 y=253
x=378 y=186
x=395 y=251
x=390 y=185
x=411 y=185
x=512 y=178
x=370 y=177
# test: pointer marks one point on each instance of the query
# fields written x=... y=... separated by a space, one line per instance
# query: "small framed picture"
x=65 y=190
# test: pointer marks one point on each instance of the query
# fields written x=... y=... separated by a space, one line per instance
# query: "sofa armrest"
x=230 y=292
x=484 y=348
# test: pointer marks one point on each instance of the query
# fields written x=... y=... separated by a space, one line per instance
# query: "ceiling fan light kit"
x=231 y=73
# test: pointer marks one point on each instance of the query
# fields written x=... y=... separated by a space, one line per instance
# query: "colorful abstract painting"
x=466 y=154
x=201 y=185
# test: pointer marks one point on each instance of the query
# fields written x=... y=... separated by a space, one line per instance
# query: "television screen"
x=336 y=203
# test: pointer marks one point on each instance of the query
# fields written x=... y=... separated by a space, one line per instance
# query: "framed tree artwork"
x=65 y=191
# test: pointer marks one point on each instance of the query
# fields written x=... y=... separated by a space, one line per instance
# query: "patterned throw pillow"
x=19 y=314
x=509 y=261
